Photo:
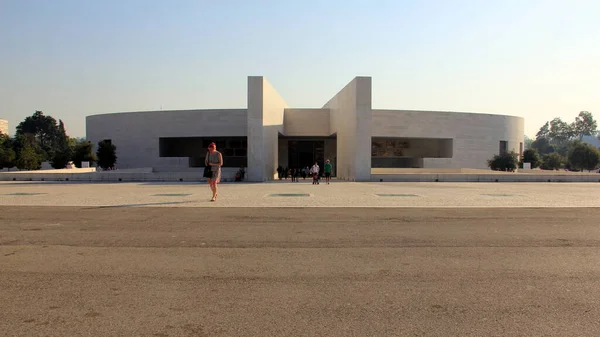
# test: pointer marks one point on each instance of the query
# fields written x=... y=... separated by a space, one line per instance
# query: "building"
x=269 y=133
x=4 y=126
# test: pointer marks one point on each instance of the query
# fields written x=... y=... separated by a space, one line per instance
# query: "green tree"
x=83 y=151
x=28 y=159
x=45 y=130
x=560 y=132
x=62 y=150
x=552 y=161
x=585 y=125
x=542 y=145
x=107 y=154
x=531 y=156
x=504 y=162
x=7 y=154
x=583 y=156
x=544 y=131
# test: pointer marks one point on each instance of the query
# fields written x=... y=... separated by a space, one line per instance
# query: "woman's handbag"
x=207 y=169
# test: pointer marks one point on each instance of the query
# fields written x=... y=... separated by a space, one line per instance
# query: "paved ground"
x=128 y=271
x=303 y=194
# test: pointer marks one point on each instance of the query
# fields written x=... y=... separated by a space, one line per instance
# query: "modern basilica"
x=269 y=133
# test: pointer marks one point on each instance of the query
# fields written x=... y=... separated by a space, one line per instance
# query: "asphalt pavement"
x=131 y=271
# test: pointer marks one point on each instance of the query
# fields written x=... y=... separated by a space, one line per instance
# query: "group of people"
x=214 y=159
x=314 y=172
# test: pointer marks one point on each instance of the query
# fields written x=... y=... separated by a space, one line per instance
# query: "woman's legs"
x=213 y=188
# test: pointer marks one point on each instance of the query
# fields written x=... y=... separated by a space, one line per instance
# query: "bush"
x=82 y=151
x=583 y=156
x=107 y=154
x=504 y=162
x=552 y=161
x=531 y=156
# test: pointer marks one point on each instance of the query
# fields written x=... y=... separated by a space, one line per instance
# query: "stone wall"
x=476 y=137
x=136 y=134
x=306 y=122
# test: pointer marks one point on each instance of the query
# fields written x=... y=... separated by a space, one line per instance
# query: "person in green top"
x=327 y=170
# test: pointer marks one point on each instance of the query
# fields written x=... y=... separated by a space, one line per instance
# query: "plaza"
x=102 y=259
x=301 y=194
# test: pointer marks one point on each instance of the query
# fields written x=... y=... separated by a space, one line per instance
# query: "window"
x=503 y=147
x=234 y=149
x=520 y=150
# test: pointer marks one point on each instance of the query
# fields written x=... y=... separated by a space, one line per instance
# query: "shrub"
x=504 y=162
x=531 y=156
x=583 y=156
x=552 y=161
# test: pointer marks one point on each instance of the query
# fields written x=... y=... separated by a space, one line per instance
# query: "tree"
x=504 y=162
x=45 y=130
x=62 y=150
x=544 y=131
x=552 y=161
x=83 y=151
x=28 y=159
x=7 y=154
x=560 y=132
x=528 y=142
x=107 y=154
x=583 y=156
x=542 y=145
x=585 y=125
x=531 y=156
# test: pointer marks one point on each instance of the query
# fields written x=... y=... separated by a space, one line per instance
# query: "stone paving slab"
x=302 y=194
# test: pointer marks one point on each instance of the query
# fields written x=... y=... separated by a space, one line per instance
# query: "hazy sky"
x=538 y=59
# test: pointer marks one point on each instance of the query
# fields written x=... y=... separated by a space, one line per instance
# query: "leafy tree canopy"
x=107 y=154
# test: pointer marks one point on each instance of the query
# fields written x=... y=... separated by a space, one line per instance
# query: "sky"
x=537 y=59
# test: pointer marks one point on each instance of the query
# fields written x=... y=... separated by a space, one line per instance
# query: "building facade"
x=270 y=134
x=4 y=126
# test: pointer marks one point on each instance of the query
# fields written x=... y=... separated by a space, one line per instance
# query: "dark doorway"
x=302 y=153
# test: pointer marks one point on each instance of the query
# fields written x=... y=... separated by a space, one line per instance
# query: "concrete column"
x=265 y=122
x=351 y=120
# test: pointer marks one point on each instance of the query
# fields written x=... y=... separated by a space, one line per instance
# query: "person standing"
x=327 y=170
x=215 y=160
x=314 y=170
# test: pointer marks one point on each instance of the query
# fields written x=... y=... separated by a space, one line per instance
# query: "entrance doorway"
x=302 y=153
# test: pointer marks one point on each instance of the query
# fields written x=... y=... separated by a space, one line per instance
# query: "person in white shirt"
x=314 y=170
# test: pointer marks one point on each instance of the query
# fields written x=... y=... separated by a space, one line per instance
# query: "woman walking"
x=214 y=159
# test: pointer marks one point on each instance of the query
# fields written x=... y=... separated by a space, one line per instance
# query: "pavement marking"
x=396 y=195
x=24 y=194
x=501 y=195
x=172 y=195
x=288 y=195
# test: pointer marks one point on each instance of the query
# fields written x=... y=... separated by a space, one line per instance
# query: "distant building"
x=4 y=126
x=269 y=133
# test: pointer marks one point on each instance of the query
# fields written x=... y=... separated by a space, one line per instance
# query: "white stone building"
x=4 y=126
x=269 y=133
